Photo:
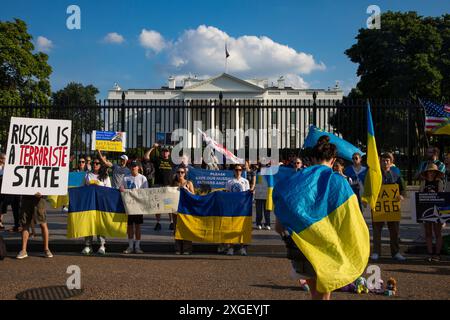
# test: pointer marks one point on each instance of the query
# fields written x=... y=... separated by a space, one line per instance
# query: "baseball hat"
x=135 y=163
x=124 y=157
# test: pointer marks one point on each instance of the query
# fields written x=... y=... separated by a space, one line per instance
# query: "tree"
x=403 y=58
x=78 y=103
x=24 y=75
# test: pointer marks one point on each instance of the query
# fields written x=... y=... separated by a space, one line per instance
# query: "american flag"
x=435 y=114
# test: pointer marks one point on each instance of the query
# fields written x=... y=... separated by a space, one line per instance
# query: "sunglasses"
x=298 y=163
x=82 y=161
x=181 y=172
x=96 y=163
x=237 y=169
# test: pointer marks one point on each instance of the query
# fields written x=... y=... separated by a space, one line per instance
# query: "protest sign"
x=37 y=157
x=151 y=200
x=216 y=179
x=109 y=141
x=433 y=207
x=387 y=207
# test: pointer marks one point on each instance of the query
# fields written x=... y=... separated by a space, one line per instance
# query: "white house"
x=222 y=102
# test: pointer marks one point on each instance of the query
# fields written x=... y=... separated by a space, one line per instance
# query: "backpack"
x=2 y=248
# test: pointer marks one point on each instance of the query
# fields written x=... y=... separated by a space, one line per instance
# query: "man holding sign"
x=37 y=164
x=387 y=208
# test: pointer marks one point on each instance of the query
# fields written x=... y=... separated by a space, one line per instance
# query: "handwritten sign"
x=387 y=207
x=151 y=200
x=109 y=141
x=37 y=157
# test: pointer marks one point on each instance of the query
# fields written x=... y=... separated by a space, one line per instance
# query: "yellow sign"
x=387 y=207
x=109 y=145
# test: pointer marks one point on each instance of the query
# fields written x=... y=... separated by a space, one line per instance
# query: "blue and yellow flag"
x=76 y=179
x=96 y=210
x=373 y=180
x=321 y=213
x=218 y=217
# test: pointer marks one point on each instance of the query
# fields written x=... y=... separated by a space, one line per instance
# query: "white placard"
x=151 y=200
x=37 y=157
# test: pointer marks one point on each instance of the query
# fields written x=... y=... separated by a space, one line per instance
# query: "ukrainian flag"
x=270 y=179
x=218 y=217
x=321 y=213
x=76 y=179
x=373 y=180
x=96 y=210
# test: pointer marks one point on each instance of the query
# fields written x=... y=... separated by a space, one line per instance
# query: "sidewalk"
x=266 y=242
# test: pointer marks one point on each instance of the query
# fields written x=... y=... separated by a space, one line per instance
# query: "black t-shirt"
x=431 y=186
x=164 y=172
x=148 y=170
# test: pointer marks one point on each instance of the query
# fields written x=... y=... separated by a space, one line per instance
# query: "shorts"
x=32 y=209
x=136 y=219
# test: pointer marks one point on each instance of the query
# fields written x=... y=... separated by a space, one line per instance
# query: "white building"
x=222 y=102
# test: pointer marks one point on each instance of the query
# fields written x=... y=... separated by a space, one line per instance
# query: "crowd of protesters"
x=156 y=169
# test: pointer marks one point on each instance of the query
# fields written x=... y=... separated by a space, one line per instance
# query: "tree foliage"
x=24 y=75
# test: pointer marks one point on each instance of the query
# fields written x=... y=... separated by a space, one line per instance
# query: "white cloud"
x=153 y=40
x=43 y=44
x=114 y=38
x=202 y=51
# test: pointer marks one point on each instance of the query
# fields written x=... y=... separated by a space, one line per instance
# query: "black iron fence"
x=399 y=124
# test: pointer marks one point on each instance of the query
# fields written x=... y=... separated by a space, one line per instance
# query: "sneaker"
x=101 y=251
x=186 y=253
x=48 y=254
x=436 y=259
x=177 y=253
x=221 y=248
x=243 y=252
x=171 y=226
x=267 y=227
x=87 y=251
x=157 y=226
x=374 y=256
x=259 y=227
x=399 y=257
x=128 y=250
x=429 y=259
x=230 y=251
x=22 y=255
x=64 y=210
x=138 y=250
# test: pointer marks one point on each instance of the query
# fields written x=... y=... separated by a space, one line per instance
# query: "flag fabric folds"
x=218 y=217
x=96 y=210
x=345 y=148
x=76 y=179
x=437 y=117
x=321 y=213
x=373 y=180
x=220 y=148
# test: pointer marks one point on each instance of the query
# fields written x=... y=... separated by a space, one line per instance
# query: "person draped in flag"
x=318 y=216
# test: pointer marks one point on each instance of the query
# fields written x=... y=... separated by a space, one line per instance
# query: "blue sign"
x=216 y=179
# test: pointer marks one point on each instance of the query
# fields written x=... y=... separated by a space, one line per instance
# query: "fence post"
x=122 y=113
x=314 y=108
x=410 y=148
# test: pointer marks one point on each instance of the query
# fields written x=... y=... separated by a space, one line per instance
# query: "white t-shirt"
x=92 y=178
x=237 y=185
x=137 y=182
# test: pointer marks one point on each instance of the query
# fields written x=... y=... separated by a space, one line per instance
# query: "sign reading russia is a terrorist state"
x=37 y=158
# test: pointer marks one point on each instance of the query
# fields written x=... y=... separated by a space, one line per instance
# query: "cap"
x=433 y=167
x=124 y=157
x=135 y=163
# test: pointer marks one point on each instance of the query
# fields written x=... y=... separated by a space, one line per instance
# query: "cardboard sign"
x=37 y=157
x=433 y=207
x=151 y=200
x=387 y=207
x=109 y=141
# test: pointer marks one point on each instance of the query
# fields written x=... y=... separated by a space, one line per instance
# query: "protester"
x=88 y=163
x=260 y=201
x=81 y=167
x=345 y=248
x=447 y=172
x=432 y=156
x=357 y=173
x=148 y=167
x=33 y=209
x=338 y=167
x=250 y=171
x=118 y=171
x=389 y=177
x=9 y=199
x=2 y=196
x=237 y=184
x=134 y=180
x=432 y=182
x=164 y=177
x=182 y=246
x=98 y=176
x=298 y=164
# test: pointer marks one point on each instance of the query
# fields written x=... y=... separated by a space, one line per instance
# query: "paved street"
x=202 y=277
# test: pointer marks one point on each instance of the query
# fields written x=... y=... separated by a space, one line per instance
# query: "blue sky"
x=303 y=40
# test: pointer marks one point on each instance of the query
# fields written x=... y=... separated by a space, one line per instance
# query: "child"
x=432 y=182
x=338 y=167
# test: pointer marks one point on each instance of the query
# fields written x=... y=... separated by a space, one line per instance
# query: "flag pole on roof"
x=227 y=54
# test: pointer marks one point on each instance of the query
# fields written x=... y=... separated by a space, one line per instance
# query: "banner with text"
x=216 y=179
x=387 y=207
x=37 y=157
x=151 y=200
x=109 y=141
x=433 y=207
